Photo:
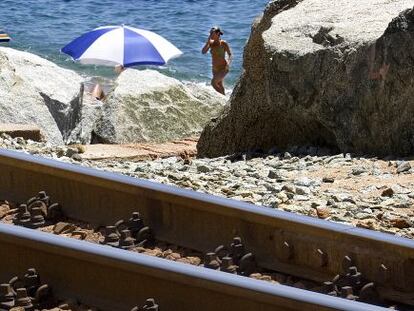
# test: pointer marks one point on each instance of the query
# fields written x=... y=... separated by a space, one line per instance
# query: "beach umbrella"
x=121 y=45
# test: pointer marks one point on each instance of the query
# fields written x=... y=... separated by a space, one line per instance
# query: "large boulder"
x=327 y=73
x=146 y=105
x=33 y=90
x=88 y=116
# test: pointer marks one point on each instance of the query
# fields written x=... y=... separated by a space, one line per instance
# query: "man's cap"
x=216 y=29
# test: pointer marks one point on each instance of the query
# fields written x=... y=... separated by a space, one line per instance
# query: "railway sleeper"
x=28 y=293
x=39 y=211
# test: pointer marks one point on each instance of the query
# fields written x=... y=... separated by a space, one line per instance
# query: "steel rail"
x=299 y=245
x=113 y=279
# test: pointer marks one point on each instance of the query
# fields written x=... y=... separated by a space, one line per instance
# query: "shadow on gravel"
x=305 y=151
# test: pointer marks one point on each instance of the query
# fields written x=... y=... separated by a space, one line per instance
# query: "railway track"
x=113 y=279
x=300 y=246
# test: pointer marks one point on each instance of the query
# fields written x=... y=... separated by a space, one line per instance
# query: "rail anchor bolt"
x=287 y=251
x=322 y=258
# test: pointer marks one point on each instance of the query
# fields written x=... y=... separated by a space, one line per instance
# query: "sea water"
x=43 y=27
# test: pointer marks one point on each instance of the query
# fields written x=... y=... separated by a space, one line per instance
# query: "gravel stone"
x=403 y=167
x=328 y=179
x=301 y=185
x=302 y=191
x=358 y=171
x=387 y=192
x=203 y=169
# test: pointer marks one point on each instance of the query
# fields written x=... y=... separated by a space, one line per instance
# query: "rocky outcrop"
x=148 y=106
x=88 y=116
x=142 y=106
x=326 y=73
x=36 y=91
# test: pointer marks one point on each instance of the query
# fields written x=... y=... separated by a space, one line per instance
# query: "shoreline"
x=107 y=73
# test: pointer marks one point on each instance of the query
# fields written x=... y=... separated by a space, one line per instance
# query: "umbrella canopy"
x=121 y=45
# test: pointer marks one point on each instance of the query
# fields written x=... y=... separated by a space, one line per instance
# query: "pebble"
x=173 y=256
x=403 y=167
x=203 y=169
x=76 y=157
x=331 y=158
x=400 y=223
x=367 y=210
x=289 y=188
x=154 y=252
x=302 y=191
x=363 y=215
x=273 y=175
x=4 y=209
x=358 y=171
x=343 y=197
x=303 y=181
x=300 y=198
x=63 y=227
x=368 y=224
x=305 y=185
x=403 y=204
x=387 y=192
x=323 y=212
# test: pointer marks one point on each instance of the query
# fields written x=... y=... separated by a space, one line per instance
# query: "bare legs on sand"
x=97 y=92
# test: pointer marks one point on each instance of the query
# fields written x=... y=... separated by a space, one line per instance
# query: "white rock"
x=36 y=91
x=306 y=19
x=89 y=113
x=303 y=190
x=304 y=181
x=148 y=106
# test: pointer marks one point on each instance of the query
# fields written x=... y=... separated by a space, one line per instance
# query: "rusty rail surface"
x=298 y=245
x=112 y=279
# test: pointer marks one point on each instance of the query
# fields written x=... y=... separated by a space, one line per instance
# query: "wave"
x=207 y=86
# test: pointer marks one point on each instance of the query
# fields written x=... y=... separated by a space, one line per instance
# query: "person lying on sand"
x=218 y=49
x=98 y=92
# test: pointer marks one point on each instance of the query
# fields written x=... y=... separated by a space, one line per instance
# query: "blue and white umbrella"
x=121 y=45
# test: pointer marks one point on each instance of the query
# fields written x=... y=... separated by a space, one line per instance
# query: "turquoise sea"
x=44 y=26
